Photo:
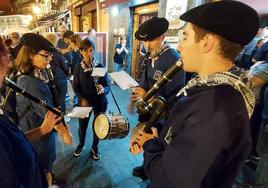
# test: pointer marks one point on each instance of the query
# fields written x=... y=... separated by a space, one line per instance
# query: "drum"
x=110 y=126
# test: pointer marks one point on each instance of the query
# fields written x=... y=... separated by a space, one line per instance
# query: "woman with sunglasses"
x=34 y=56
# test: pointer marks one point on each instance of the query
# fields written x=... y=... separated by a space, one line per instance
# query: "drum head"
x=101 y=126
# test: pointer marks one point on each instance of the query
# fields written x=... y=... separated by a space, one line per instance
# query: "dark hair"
x=67 y=34
x=75 y=38
x=87 y=43
x=8 y=43
x=91 y=29
x=122 y=38
x=228 y=49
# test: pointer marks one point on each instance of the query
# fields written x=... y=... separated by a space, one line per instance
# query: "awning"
x=40 y=28
x=52 y=18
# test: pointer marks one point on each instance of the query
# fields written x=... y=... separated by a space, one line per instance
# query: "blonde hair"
x=52 y=38
x=15 y=36
x=23 y=62
x=63 y=27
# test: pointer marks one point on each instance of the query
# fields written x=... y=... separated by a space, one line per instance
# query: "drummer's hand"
x=137 y=93
x=49 y=122
x=100 y=89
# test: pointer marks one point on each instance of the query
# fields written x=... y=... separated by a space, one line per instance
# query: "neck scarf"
x=39 y=74
x=92 y=64
x=235 y=77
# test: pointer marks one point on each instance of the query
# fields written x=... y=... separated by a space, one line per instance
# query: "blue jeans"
x=118 y=67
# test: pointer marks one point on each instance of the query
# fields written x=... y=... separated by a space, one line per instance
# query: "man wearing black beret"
x=207 y=133
x=161 y=58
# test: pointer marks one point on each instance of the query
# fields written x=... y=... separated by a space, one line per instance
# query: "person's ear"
x=207 y=43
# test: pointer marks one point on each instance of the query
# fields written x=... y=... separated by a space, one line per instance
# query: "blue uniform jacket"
x=162 y=64
x=84 y=87
x=31 y=115
x=205 y=138
x=18 y=164
x=262 y=53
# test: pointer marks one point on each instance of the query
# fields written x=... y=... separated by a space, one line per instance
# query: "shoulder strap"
x=11 y=93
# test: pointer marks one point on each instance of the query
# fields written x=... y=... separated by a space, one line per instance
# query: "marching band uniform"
x=18 y=163
x=85 y=88
x=154 y=68
x=31 y=115
x=207 y=133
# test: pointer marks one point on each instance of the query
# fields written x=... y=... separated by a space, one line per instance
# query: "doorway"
x=141 y=14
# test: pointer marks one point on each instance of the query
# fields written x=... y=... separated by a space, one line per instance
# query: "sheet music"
x=79 y=112
x=99 y=72
x=123 y=79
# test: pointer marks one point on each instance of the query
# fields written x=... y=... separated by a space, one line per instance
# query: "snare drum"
x=110 y=126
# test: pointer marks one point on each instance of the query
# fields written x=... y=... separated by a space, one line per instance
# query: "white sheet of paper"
x=79 y=112
x=123 y=79
x=99 y=72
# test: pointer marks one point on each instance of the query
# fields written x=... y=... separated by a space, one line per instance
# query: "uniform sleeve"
x=64 y=65
x=104 y=81
x=261 y=52
x=144 y=80
x=76 y=82
x=36 y=89
x=118 y=46
x=8 y=175
x=189 y=154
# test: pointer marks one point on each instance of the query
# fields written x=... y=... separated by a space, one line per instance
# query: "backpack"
x=10 y=102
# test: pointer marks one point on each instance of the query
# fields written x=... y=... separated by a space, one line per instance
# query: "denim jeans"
x=118 y=67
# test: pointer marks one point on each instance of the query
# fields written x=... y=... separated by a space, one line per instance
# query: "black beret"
x=232 y=20
x=37 y=42
x=152 y=29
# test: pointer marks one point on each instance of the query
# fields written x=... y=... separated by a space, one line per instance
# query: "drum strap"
x=115 y=100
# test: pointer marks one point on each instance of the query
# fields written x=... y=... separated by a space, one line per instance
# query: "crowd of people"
x=210 y=126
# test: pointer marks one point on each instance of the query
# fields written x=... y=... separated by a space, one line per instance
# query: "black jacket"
x=205 y=139
x=84 y=86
